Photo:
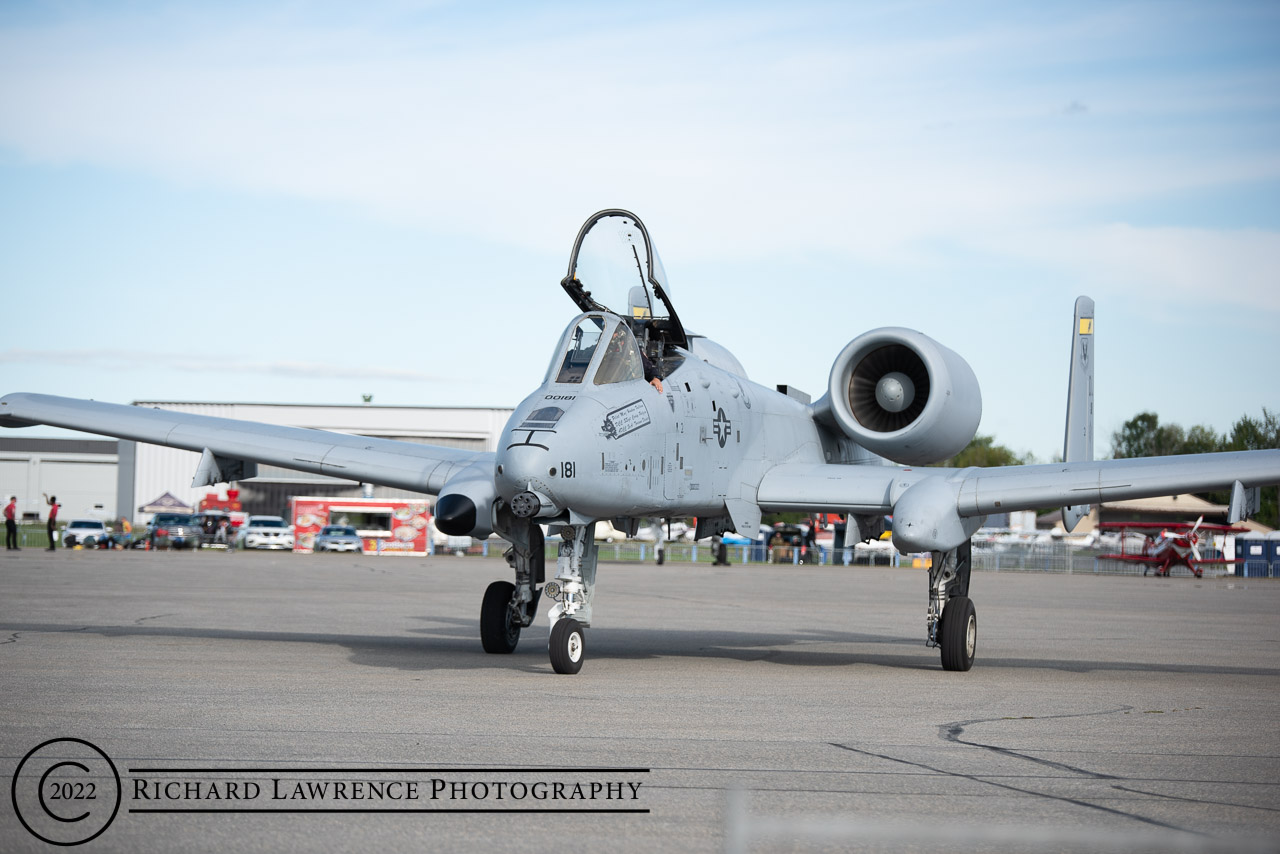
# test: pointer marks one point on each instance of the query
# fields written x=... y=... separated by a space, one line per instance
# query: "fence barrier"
x=1057 y=556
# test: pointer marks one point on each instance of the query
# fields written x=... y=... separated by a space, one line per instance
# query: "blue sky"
x=306 y=202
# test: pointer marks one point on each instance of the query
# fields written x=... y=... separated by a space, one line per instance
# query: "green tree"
x=983 y=451
x=1144 y=436
x=1254 y=434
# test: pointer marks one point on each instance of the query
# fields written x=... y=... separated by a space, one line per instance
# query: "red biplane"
x=1161 y=546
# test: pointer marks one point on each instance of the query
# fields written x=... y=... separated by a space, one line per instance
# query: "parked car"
x=338 y=538
x=174 y=531
x=84 y=532
x=265 y=532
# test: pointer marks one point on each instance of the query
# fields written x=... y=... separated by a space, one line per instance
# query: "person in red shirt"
x=53 y=518
x=11 y=524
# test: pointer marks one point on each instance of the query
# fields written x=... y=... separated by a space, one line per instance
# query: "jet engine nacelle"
x=902 y=395
x=465 y=505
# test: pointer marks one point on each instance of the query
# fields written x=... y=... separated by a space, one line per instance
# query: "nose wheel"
x=568 y=645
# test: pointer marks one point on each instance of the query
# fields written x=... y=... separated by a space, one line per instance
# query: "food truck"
x=386 y=525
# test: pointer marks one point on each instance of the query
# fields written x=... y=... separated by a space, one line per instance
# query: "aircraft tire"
x=568 y=646
x=958 y=633
x=498 y=635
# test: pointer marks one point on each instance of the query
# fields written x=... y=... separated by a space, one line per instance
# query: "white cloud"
x=1165 y=265
x=899 y=143
x=116 y=359
x=864 y=141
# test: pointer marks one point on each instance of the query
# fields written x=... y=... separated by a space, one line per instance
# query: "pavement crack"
x=1032 y=792
x=142 y=620
x=1192 y=800
x=952 y=732
x=12 y=638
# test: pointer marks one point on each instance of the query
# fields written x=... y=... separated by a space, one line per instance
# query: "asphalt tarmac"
x=738 y=709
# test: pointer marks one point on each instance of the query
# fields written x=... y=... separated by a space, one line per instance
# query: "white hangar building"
x=144 y=472
x=80 y=472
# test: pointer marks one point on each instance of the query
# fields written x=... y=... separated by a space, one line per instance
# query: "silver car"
x=338 y=538
x=265 y=532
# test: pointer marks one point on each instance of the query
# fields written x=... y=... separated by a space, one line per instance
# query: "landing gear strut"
x=572 y=593
x=952 y=619
x=507 y=608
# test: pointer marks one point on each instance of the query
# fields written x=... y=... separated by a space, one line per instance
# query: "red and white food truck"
x=387 y=525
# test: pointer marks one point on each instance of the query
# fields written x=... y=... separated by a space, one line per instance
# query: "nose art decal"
x=626 y=419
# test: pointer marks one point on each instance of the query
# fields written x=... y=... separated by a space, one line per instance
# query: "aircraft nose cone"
x=455 y=515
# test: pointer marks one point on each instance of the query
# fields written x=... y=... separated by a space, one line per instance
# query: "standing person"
x=11 y=524
x=53 y=519
x=722 y=552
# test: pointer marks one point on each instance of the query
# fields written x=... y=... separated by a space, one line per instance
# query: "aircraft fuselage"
x=626 y=449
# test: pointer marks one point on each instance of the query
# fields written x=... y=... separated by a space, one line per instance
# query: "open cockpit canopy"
x=614 y=268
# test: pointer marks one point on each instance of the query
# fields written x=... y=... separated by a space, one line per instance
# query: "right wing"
x=936 y=509
x=406 y=465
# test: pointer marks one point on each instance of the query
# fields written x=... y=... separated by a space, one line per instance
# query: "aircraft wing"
x=407 y=465
x=947 y=505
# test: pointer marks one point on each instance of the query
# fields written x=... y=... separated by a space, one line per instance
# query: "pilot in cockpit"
x=641 y=315
x=624 y=360
x=650 y=372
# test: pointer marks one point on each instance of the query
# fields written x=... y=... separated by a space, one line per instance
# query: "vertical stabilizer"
x=1078 y=445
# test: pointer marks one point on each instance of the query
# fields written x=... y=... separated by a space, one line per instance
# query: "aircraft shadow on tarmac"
x=452 y=644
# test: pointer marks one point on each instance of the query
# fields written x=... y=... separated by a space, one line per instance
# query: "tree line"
x=1144 y=436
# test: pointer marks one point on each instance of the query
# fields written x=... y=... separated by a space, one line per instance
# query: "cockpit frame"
x=667 y=331
x=597 y=348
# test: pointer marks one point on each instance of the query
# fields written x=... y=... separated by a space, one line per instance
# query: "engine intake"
x=902 y=395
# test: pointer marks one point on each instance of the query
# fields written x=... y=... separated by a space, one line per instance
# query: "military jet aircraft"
x=639 y=417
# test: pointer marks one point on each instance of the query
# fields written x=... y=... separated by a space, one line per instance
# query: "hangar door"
x=13 y=481
x=84 y=489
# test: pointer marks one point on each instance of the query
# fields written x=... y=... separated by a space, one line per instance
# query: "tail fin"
x=1078 y=445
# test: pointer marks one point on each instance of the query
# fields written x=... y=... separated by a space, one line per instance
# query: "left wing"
x=937 y=509
x=407 y=465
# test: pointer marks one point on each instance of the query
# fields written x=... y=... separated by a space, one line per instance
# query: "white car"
x=265 y=532
x=84 y=532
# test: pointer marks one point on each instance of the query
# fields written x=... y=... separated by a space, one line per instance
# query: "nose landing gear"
x=507 y=608
x=572 y=591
